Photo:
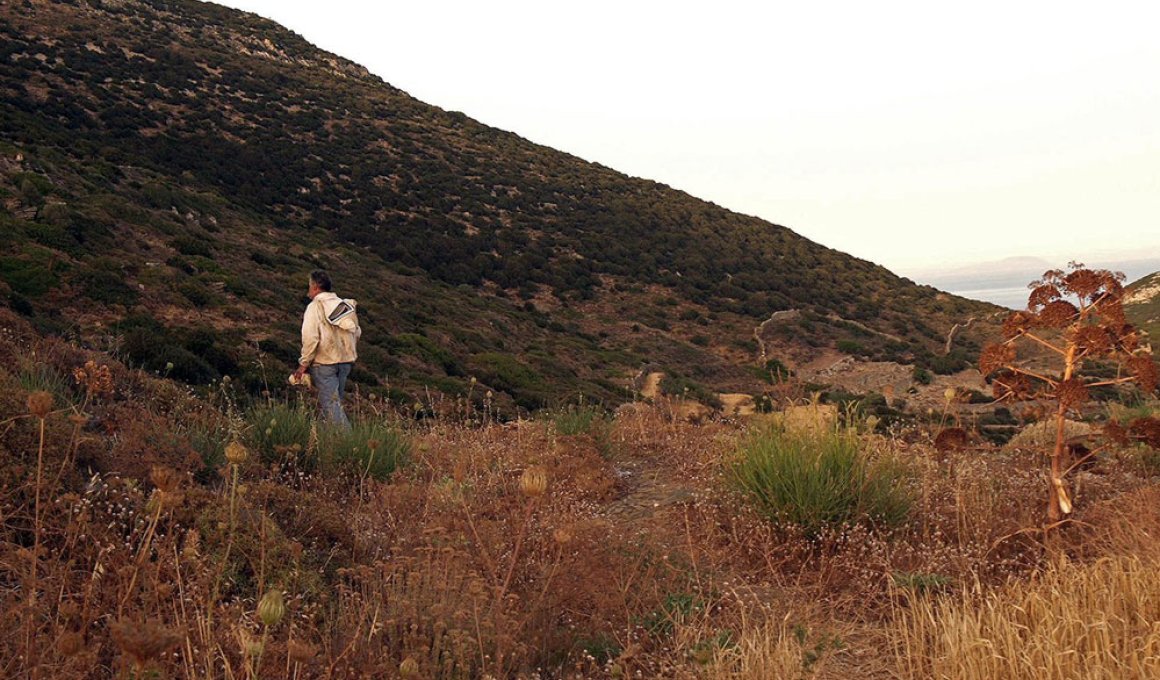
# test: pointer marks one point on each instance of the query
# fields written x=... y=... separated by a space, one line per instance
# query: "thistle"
x=236 y=452
x=409 y=668
x=40 y=404
x=271 y=608
x=142 y=642
x=534 y=482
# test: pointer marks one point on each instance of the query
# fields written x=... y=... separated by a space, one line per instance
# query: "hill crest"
x=180 y=159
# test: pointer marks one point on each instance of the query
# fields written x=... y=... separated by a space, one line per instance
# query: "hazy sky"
x=916 y=134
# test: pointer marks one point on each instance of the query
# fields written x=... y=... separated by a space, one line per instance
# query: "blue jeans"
x=330 y=380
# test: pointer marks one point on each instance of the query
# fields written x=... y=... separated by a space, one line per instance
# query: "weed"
x=279 y=432
x=819 y=480
x=920 y=582
x=578 y=419
x=369 y=449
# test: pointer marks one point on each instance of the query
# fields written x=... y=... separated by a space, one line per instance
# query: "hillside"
x=1142 y=304
x=170 y=171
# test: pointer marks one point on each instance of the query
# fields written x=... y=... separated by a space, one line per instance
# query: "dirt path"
x=651 y=489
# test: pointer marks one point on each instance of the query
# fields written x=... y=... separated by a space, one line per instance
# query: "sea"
x=1014 y=298
x=1007 y=285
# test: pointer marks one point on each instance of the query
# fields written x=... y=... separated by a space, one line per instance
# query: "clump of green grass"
x=817 y=480
x=578 y=419
x=374 y=449
x=278 y=431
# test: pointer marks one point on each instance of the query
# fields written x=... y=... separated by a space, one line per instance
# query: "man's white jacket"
x=325 y=341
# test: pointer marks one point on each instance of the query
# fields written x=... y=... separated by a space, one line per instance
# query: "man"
x=330 y=332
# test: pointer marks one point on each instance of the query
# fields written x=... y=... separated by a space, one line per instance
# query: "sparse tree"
x=1078 y=317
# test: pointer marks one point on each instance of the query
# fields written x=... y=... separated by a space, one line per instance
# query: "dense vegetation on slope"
x=171 y=170
x=1142 y=304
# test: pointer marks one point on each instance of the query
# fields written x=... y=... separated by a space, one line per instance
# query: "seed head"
x=1017 y=324
x=168 y=483
x=1057 y=314
x=142 y=642
x=409 y=668
x=562 y=536
x=236 y=452
x=951 y=439
x=271 y=608
x=1144 y=368
x=40 y=404
x=249 y=645
x=534 y=482
x=1072 y=393
x=1042 y=295
x=994 y=357
x=1093 y=339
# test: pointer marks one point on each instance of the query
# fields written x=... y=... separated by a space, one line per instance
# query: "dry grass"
x=1072 y=620
x=638 y=561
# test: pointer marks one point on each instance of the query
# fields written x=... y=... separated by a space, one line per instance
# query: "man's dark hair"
x=321 y=279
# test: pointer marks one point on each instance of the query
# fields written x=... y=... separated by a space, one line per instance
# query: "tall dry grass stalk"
x=773 y=649
x=1073 y=621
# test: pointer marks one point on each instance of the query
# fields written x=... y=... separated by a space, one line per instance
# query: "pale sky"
x=913 y=134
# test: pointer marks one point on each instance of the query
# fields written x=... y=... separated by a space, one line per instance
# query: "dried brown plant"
x=1078 y=317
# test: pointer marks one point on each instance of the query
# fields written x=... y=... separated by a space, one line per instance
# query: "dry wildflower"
x=142 y=642
x=165 y=478
x=40 y=404
x=1072 y=393
x=1016 y=324
x=1084 y=283
x=1042 y=295
x=1009 y=384
x=192 y=544
x=248 y=644
x=271 y=608
x=1146 y=430
x=1093 y=339
x=1126 y=337
x=409 y=668
x=1144 y=368
x=1057 y=314
x=236 y=452
x=562 y=536
x=951 y=439
x=994 y=357
x=534 y=482
x=97 y=380
x=1113 y=313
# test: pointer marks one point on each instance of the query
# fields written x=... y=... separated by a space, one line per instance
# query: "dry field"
x=149 y=533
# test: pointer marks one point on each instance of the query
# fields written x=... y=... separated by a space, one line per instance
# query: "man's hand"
x=300 y=372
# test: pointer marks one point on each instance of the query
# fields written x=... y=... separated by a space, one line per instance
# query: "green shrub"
x=819 y=480
x=851 y=347
x=107 y=287
x=375 y=449
x=31 y=275
x=578 y=419
x=773 y=372
x=279 y=432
